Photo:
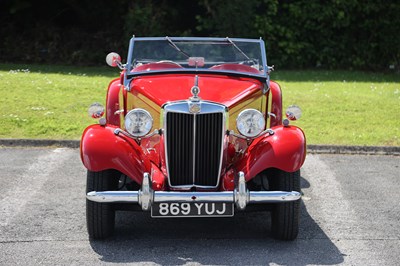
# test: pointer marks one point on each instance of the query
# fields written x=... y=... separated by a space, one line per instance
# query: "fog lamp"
x=96 y=110
x=293 y=112
x=138 y=122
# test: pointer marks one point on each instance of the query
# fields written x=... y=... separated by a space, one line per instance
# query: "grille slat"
x=194 y=143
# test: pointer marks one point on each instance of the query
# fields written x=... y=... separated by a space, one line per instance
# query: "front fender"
x=285 y=150
x=101 y=149
x=112 y=102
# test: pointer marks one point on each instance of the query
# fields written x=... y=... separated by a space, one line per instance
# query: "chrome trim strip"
x=194 y=149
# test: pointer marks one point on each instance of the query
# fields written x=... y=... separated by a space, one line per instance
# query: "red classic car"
x=193 y=127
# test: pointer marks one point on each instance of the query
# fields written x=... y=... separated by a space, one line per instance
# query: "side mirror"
x=114 y=60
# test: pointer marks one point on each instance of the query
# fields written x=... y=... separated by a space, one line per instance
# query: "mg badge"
x=194 y=108
x=195 y=91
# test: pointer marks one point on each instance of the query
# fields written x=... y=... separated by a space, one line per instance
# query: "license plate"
x=192 y=209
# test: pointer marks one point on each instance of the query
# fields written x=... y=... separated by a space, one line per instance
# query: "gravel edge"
x=39 y=143
x=315 y=149
x=367 y=150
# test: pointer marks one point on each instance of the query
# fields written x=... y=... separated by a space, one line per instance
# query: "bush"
x=333 y=34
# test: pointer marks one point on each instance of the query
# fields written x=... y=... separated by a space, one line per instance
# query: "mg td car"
x=193 y=127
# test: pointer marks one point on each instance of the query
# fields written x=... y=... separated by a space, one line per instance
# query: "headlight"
x=250 y=123
x=138 y=122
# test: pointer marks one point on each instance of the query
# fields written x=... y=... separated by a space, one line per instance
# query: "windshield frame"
x=262 y=76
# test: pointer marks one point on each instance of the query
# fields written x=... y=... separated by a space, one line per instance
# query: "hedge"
x=335 y=34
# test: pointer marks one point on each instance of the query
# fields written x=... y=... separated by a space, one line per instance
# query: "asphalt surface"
x=350 y=215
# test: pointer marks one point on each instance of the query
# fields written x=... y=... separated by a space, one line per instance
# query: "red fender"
x=285 y=150
x=276 y=103
x=112 y=102
x=101 y=149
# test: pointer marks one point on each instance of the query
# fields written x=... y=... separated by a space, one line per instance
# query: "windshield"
x=244 y=56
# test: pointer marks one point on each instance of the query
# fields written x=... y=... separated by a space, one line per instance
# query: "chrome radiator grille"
x=194 y=146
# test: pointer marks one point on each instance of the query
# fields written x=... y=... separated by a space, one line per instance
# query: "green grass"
x=345 y=108
x=339 y=107
x=49 y=101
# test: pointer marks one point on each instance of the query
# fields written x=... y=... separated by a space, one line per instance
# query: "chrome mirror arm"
x=120 y=65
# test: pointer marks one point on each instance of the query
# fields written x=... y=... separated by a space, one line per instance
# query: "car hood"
x=225 y=90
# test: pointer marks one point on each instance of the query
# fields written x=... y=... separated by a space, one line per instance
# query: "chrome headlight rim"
x=243 y=127
x=143 y=130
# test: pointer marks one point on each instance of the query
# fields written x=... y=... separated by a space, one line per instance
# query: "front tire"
x=285 y=216
x=100 y=217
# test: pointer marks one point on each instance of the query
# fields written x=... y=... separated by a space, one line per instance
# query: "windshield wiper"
x=176 y=47
x=237 y=48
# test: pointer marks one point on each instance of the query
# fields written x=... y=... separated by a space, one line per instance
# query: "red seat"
x=237 y=68
x=156 y=66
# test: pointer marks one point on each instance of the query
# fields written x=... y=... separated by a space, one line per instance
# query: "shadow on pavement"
x=243 y=239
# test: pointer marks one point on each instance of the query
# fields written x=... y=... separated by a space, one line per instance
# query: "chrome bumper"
x=241 y=196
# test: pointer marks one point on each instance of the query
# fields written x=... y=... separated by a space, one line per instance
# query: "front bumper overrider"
x=241 y=196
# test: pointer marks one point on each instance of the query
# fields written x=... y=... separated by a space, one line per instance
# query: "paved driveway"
x=350 y=215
